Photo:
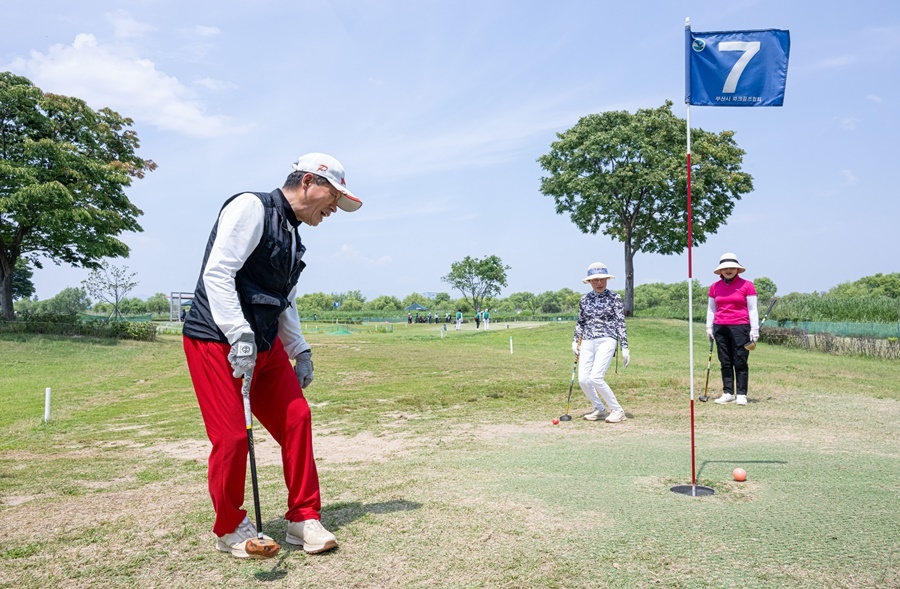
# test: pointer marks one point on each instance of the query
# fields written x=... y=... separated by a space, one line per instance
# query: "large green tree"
x=525 y=301
x=22 y=286
x=385 y=303
x=477 y=279
x=64 y=168
x=315 y=301
x=68 y=300
x=879 y=285
x=625 y=175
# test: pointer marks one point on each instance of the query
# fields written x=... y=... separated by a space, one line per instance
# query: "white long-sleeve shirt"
x=239 y=230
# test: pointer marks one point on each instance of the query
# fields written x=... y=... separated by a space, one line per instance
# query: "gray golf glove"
x=626 y=356
x=303 y=368
x=243 y=355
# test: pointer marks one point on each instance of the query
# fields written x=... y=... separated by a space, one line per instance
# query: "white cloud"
x=349 y=253
x=204 y=31
x=848 y=177
x=110 y=75
x=126 y=27
x=848 y=124
x=214 y=85
x=835 y=62
x=874 y=98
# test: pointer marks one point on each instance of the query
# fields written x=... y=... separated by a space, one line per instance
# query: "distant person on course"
x=245 y=295
x=600 y=328
x=733 y=321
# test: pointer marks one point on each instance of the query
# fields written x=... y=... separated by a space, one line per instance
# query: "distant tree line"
x=76 y=300
x=870 y=299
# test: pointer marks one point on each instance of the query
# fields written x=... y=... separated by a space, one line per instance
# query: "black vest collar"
x=289 y=213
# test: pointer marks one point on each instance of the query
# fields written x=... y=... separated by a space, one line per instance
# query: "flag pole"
x=764 y=82
x=693 y=490
x=690 y=241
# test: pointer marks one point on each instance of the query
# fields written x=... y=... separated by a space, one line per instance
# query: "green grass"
x=440 y=468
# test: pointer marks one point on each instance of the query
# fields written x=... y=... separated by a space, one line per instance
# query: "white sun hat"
x=596 y=271
x=329 y=168
x=728 y=260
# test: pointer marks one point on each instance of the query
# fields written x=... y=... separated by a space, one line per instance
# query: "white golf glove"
x=243 y=355
x=709 y=332
x=626 y=356
x=303 y=368
x=575 y=348
x=754 y=335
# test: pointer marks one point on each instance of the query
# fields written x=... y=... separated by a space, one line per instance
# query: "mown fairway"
x=440 y=467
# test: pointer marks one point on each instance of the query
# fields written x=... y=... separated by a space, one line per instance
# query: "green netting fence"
x=129 y=318
x=844 y=329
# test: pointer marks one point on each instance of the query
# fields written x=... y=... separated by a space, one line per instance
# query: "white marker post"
x=510 y=344
x=47 y=405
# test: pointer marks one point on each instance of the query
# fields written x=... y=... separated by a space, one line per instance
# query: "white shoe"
x=616 y=417
x=595 y=415
x=742 y=399
x=724 y=399
x=236 y=541
x=311 y=535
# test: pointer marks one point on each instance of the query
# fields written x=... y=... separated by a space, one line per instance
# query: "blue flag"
x=736 y=68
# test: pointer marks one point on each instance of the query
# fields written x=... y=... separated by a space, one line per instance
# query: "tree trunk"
x=629 y=279
x=6 y=302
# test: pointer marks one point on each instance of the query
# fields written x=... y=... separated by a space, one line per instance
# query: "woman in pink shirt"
x=733 y=321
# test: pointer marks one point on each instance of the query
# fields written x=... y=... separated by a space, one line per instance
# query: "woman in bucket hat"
x=600 y=328
x=733 y=321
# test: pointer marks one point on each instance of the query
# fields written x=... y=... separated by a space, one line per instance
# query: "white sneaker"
x=595 y=415
x=616 y=417
x=236 y=541
x=742 y=399
x=724 y=399
x=311 y=535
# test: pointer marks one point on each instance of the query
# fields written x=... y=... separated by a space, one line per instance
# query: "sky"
x=438 y=111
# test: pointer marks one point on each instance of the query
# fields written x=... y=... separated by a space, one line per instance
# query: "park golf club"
x=565 y=416
x=259 y=547
x=752 y=345
x=703 y=397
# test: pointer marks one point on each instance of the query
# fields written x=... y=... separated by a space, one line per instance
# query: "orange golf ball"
x=739 y=474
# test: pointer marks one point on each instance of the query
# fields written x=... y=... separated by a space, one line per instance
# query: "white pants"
x=593 y=362
x=458 y=324
x=487 y=323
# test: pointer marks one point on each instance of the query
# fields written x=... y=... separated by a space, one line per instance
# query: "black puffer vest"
x=264 y=282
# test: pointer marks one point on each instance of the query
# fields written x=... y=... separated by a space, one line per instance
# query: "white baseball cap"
x=329 y=168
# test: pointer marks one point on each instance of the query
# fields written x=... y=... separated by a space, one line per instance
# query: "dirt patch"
x=329 y=448
x=148 y=508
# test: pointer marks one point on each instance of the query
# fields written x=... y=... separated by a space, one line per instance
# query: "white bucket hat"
x=329 y=168
x=596 y=271
x=728 y=260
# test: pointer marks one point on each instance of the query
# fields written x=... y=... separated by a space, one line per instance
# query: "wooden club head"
x=262 y=548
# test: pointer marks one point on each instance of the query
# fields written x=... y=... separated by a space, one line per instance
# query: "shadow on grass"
x=277 y=572
x=737 y=462
x=341 y=514
x=338 y=515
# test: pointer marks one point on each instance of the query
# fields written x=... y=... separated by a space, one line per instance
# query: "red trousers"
x=277 y=402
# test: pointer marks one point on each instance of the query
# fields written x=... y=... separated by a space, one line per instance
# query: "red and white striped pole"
x=690 y=241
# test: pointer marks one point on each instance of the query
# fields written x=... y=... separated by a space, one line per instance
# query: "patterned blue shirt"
x=601 y=315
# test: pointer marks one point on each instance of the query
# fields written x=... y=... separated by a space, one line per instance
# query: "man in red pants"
x=245 y=300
